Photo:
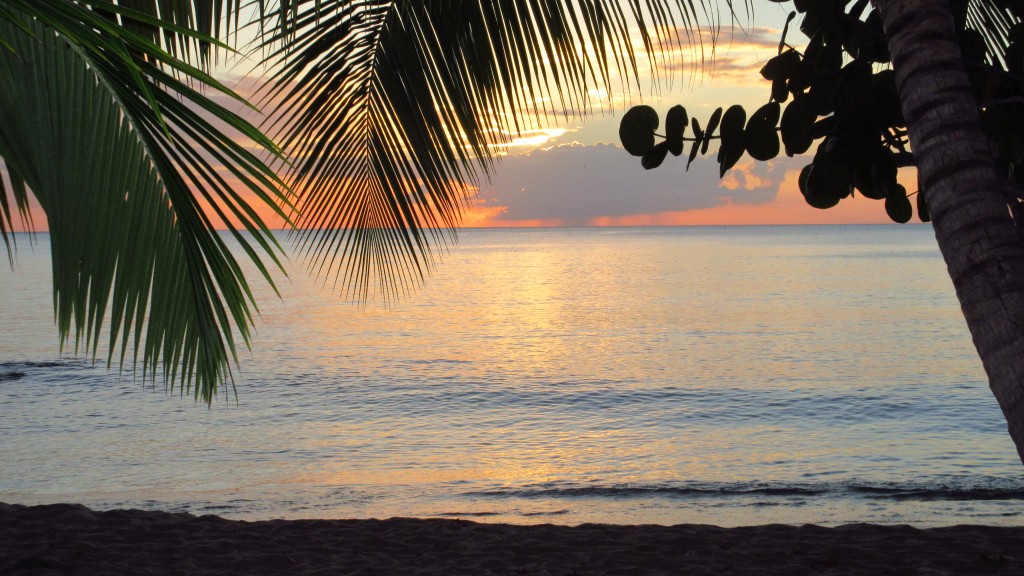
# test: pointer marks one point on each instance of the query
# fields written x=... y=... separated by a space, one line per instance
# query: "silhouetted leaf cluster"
x=840 y=92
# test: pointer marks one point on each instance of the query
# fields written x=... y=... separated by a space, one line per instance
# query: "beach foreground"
x=72 y=539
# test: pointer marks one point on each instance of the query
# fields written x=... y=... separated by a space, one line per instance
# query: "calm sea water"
x=716 y=375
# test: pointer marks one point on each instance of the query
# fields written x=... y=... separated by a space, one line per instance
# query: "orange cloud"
x=742 y=176
x=728 y=54
x=482 y=215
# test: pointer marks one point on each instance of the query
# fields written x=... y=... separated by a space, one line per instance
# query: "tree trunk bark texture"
x=983 y=251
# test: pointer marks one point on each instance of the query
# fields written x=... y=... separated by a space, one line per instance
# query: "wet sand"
x=72 y=539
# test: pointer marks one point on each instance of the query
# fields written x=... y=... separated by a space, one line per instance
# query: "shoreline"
x=73 y=539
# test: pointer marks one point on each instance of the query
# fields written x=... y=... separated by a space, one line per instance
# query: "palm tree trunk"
x=983 y=251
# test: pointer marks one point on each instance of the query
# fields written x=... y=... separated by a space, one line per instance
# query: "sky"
x=575 y=173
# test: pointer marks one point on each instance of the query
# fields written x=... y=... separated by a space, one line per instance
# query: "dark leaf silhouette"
x=655 y=156
x=675 y=127
x=713 y=122
x=795 y=126
x=760 y=137
x=897 y=205
x=876 y=176
x=922 y=207
x=636 y=129
x=782 y=67
x=828 y=182
x=732 y=144
x=699 y=139
x=817 y=197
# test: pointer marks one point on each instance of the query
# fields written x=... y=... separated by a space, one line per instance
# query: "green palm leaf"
x=118 y=151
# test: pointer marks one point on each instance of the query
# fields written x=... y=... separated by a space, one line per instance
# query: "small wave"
x=31 y=364
x=940 y=493
x=459 y=514
x=65 y=363
x=1008 y=492
x=552 y=513
x=634 y=491
x=11 y=371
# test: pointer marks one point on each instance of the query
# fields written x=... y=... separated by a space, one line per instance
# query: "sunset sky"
x=573 y=172
x=576 y=174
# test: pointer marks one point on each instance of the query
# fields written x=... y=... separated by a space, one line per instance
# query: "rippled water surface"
x=717 y=375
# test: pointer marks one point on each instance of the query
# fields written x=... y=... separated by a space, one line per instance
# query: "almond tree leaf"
x=636 y=129
x=675 y=128
x=732 y=145
x=716 y=117
x=782 y=67
x=795 y=125
x=655 y=156
x=780 y=91
x=922 y=207
x=693 y=152
x=897 y=205
x=760 y=135
x=826 y=183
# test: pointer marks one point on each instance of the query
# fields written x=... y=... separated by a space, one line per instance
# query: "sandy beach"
x=72 y=539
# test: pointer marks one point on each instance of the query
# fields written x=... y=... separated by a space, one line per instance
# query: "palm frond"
x=118 y=151
x=21 y=203
x=394 y=109
x=994 y=20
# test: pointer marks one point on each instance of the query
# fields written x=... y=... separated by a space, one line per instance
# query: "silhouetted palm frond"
x=392 y=110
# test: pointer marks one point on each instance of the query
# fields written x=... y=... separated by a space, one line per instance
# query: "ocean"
x=717 y=375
